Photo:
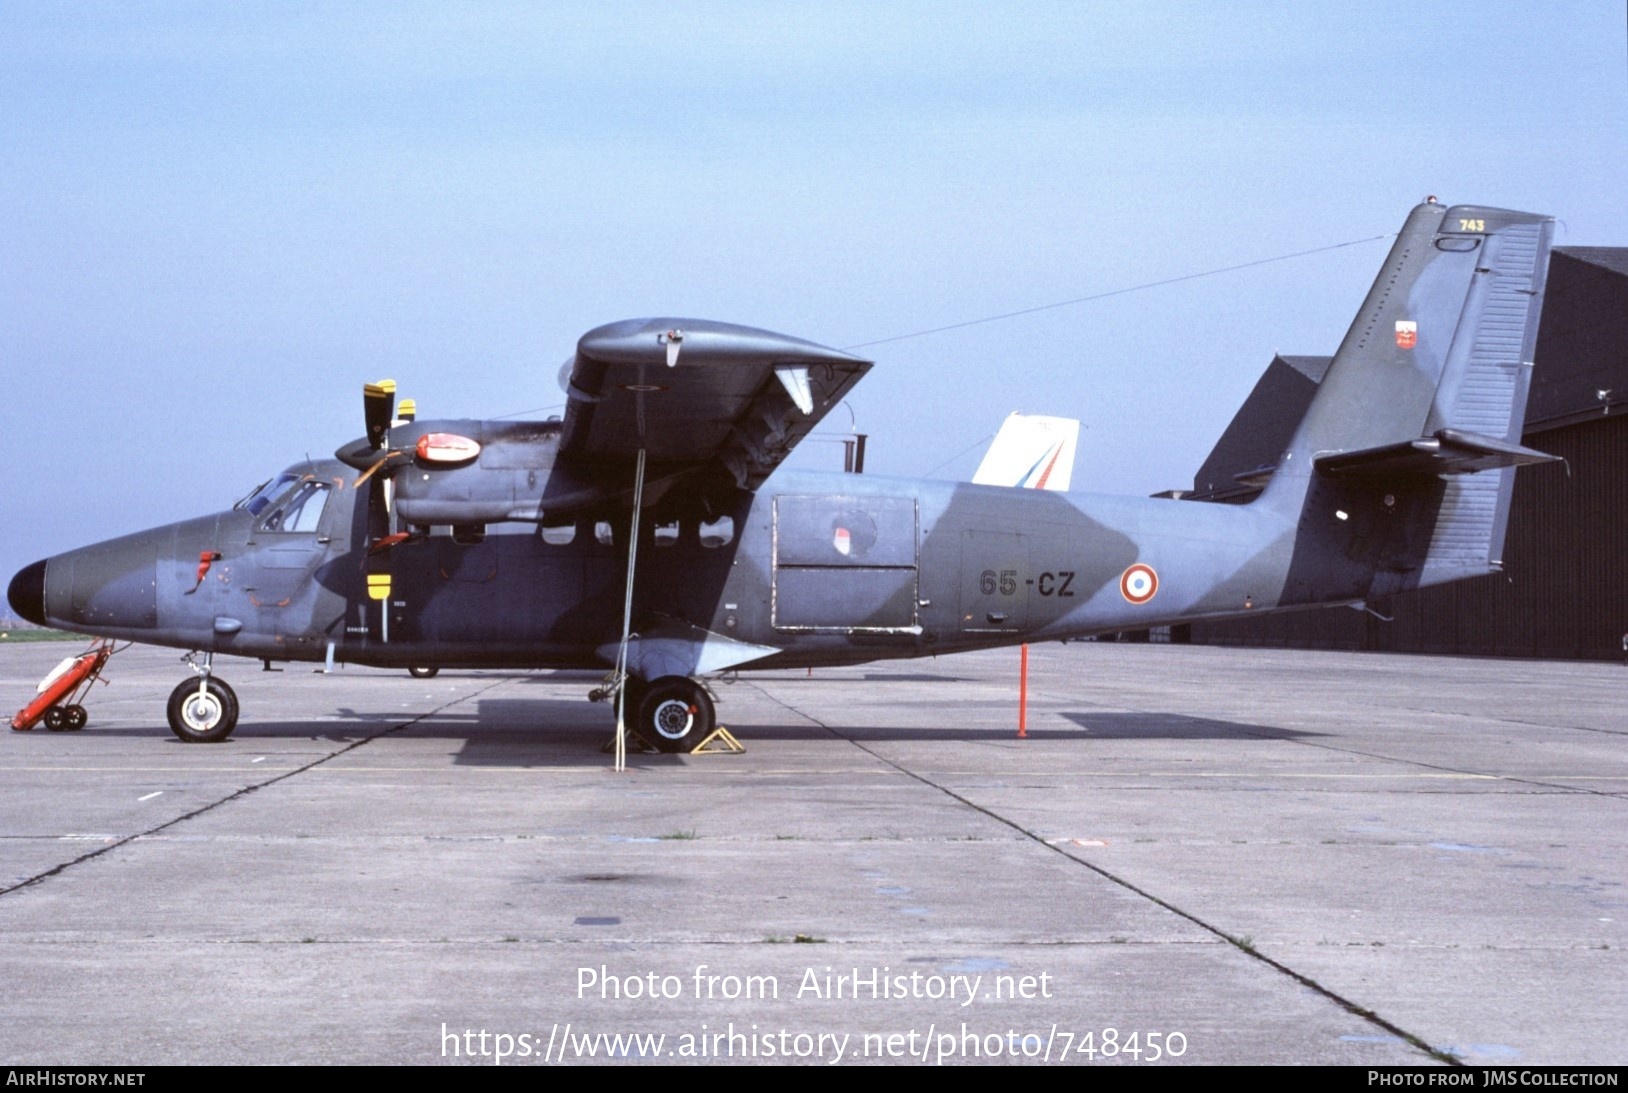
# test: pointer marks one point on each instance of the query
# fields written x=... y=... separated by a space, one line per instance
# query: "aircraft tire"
x=423 y=673
x=56 y=719
x=202 y=719
x=76 y=717
x=633 y=692
x=676 y=714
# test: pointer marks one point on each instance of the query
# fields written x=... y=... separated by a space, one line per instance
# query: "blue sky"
x=220 y=220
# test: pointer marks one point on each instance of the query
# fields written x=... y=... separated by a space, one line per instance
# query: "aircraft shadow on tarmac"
x=520 y=732
x=1138 y=725
x=910 y=677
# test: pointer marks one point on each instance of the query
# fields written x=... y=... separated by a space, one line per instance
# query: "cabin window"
x=604 y=535
x=719 y=532
x=559 y=536
x=666 y=535
x=300 y=512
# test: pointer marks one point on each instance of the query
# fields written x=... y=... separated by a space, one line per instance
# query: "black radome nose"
x=27 y=593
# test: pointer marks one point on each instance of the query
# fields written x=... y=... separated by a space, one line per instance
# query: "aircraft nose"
x=27 y=593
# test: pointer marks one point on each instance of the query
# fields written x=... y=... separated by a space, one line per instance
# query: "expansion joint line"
x=1516 y=780
x=1238 y=943
x=1419 y=763
x=244 y=792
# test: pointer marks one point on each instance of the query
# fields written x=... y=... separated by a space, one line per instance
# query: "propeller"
x=373 y=455
x=378 y=410
x=378 y=407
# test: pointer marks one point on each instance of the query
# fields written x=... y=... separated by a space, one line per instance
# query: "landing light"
x=446 y=448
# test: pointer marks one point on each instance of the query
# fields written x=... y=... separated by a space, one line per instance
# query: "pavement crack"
x=1242 y=944
x=108 y=848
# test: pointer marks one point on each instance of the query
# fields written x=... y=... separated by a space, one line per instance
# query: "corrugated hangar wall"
x=1564 y=589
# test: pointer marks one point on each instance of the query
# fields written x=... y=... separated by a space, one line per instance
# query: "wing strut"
x=627 y=616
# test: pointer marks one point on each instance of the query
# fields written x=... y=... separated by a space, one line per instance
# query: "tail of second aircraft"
x=1031 y=451
x=1400 y=474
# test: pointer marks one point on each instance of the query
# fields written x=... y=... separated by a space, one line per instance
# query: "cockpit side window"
x=300 y=511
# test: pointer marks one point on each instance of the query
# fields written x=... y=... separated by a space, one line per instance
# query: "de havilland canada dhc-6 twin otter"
x=660 y=544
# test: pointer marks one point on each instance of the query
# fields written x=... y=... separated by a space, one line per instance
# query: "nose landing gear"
x=204 y=710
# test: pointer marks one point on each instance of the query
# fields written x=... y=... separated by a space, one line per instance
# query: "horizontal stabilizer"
x=1449 y=451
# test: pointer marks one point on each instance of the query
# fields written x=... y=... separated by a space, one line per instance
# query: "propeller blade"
x=378 y=407
x=388 y=462
x=378 y=510
x=389 y=541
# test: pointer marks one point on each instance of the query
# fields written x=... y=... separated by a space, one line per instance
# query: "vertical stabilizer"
x=1031 y=451
x=1410 y=444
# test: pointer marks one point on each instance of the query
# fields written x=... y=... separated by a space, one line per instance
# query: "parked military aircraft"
x=658 y=542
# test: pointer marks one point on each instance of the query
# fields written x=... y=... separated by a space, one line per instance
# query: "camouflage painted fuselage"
x=1398 y=476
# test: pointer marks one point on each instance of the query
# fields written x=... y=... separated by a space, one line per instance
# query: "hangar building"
x=1564 y=589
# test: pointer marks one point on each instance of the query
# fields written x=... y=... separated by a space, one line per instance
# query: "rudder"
x=1402 y=469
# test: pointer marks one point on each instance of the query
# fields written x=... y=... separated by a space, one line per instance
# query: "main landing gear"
x=672 y=714
x=203 y=710
x=675 y=714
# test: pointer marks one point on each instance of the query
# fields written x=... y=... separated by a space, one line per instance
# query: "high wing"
x=697 y=395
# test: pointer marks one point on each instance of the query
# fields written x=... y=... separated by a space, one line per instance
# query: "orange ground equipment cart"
x=57 y=702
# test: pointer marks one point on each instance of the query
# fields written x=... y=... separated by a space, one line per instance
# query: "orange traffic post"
x=1023 y=696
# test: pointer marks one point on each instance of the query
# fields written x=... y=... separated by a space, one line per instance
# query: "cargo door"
x=845 y=563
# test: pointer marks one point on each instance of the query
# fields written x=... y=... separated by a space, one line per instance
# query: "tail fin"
x=1031 y=451
x=1403 y=463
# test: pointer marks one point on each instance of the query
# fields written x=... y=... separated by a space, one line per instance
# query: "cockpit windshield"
x=265 y=493
x=300 y=510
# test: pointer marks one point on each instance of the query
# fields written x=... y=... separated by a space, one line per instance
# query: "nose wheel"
x=202 y=713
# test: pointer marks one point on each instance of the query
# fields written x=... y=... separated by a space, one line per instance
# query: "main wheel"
x=423 y=673
x=203 y=717
x=631 y=698
x=76 y=717
x=676 y=714
x=56 y=719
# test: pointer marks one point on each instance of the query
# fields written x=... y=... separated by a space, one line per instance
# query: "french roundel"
x=1138 y=583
